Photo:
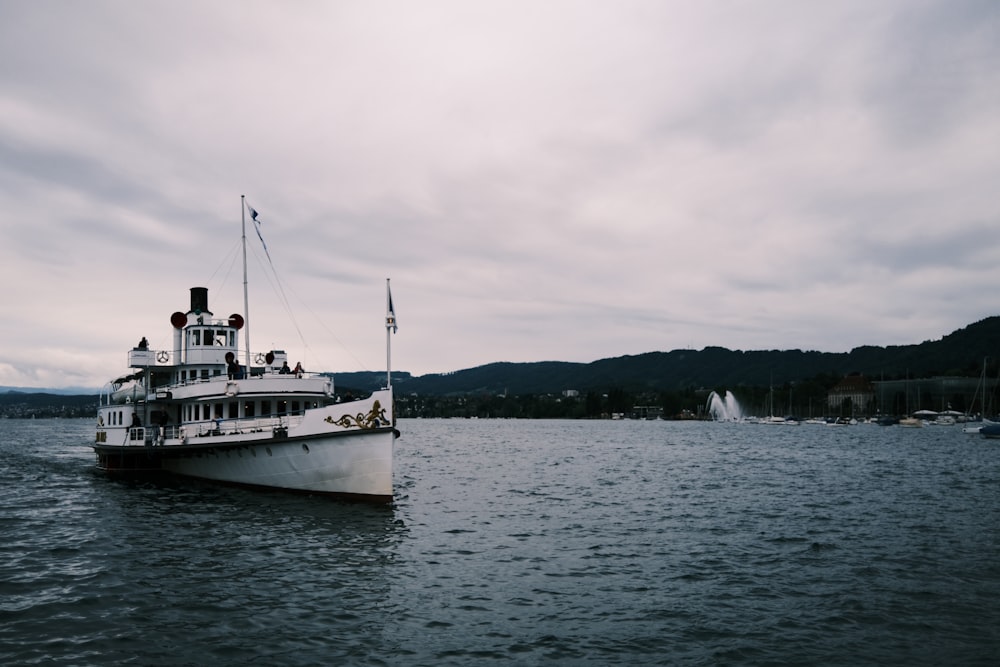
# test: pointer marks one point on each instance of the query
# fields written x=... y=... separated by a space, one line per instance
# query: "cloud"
x=550 y=181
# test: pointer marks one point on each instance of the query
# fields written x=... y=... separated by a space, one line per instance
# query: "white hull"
x=358 y=464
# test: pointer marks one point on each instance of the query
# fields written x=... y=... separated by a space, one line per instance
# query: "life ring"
x=232 y=388
x=162 y=356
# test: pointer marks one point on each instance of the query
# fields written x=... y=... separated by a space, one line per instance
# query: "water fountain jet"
x=724 y=408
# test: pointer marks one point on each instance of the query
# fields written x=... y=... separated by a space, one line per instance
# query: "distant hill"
x=959 y=353
x=63 y=391
x=17 y=404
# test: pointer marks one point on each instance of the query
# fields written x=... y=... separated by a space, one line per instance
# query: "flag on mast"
x=256 y=226
x=390 y=312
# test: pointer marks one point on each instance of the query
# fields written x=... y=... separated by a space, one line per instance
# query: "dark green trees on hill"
x=960 y=353
x=676 y=382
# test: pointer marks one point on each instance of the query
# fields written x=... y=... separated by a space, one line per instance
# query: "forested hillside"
x=22 y=405
x=959 y=353
x=678 y=379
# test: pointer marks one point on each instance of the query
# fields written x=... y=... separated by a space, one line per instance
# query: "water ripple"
x=519 y=543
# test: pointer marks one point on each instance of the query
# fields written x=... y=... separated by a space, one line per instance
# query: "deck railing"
x=158 y=435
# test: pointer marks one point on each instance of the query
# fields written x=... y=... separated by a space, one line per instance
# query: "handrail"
x=158 y=435
x=273 y=374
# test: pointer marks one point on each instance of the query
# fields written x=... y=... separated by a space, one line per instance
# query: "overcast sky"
x=555 y=180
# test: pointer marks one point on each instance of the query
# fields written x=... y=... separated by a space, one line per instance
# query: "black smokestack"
x=199 y=300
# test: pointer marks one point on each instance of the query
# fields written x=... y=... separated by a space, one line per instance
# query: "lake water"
x=519 y=543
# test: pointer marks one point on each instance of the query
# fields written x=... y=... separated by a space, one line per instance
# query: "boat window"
x=234 y=410
x=248 y=410
x=218 y=410
x=295 y=407
x=196 y=337
x=204 y=374
x=197 y=413
x=282 y=407
x=265 y=408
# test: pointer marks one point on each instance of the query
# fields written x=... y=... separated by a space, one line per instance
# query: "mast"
x=390 y=324
x=246 y=299
x=982 y=383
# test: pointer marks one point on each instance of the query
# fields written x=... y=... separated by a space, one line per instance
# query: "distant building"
x=853 y=392
x=647 y=412
x=570 y=393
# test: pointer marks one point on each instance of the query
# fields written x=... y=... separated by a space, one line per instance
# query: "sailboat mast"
x=390 y=319
x=982 y=383
x=246 y=299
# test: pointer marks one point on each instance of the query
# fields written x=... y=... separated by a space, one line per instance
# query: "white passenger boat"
x=195 y=410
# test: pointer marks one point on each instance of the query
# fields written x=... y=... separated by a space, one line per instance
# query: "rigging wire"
x=231 y=257
x=279 y=289
x=230 y=261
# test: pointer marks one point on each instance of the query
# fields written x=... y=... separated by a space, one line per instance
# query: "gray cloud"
x=540 y=181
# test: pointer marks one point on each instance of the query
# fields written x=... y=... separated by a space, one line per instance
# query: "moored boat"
x=991 y=431
x=195 y=410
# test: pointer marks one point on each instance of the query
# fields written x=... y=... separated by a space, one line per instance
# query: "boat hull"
x=351 y=465
x=991 y=431
x=343 y=450
x=356 y=464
